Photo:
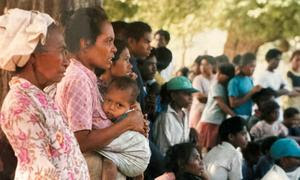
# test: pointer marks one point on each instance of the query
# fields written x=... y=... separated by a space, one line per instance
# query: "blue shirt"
x=238 y=87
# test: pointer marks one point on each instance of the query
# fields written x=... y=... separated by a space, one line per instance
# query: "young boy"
x=224 y=161
x=292 y=122
x=130 y=151
x=172 y=126
x=269 y=126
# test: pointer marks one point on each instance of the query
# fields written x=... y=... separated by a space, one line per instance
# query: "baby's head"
x=120 y=96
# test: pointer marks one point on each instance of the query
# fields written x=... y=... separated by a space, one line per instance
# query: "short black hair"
x=231 y=125
x=137 y=29
x=227 y=69
x=178 y=156
x=267 y=143
x=210 y=59
x=252 y=149
x=222 y=59
x=295 y=53
x=125 y=83
x=85 y=23
x=184 y=71
x=272 y=53
x=164 y=57
x=120 y=46
x=268 y=107
x=236 y=60
x=247 y=59
x=290 y=112
x=120 y=29
x=163 y=33
x=263 y=95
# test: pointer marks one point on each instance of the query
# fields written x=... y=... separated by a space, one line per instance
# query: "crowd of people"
x=90 y=100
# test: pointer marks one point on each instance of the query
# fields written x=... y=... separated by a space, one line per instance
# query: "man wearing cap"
x=172 y=126
x=286 y=153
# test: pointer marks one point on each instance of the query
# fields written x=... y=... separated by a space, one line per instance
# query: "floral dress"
x=43 y=144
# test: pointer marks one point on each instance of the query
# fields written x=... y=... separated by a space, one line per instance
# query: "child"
x=269 y=126
x=224 y=161
x=251 y=156
x=184 y=160
x=265 y=94
x=216 y=108
x=172 y=127
x=292 y=122
x=240 y=88
x=130 y=151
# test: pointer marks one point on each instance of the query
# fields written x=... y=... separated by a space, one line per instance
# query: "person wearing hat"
x=32 y=47
x=171 y=126
x=286 y=153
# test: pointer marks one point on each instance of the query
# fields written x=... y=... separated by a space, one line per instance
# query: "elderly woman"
x=33 y=46
x=90 y=38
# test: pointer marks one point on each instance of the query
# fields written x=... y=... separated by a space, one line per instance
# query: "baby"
x=130 y=151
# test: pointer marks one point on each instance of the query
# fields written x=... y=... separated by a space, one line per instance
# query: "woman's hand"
x=136 y=122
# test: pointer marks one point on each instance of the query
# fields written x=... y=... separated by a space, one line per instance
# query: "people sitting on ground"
x=251 y=156
x=184 y=162
x=265 y=94
x=224 y=161
x=292 y=122
x=286 y=154
x=132 y=157
x=241 y=89
x=216 y=108
x=265 y=162
x=269 y=125
x=172 y=126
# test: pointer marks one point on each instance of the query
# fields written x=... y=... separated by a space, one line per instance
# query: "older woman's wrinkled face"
x=100 y=54
x=50 y=64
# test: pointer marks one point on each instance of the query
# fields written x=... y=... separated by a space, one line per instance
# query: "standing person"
x=202 y=82
x=172 y=126
x=33 y=47
x=241 y=89
x=216 y=108
x=139 y=39
x=293 y=81
x=225 y=161
x=90 y=38
x=273 y=79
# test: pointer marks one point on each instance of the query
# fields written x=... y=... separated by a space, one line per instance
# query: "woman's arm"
x=94 y=139
x=235 y=101
x=224 y=106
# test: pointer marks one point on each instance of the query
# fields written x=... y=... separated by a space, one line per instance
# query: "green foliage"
x=264 y=19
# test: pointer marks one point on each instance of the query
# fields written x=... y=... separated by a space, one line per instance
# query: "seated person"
x=265 y=94
x=224 y=161
x=286 y=153
x=183 y=161
x=251 y=156
x=292 y=122
x=265 y=162
x=130 y=151
x=269 y=126
x=172 y=126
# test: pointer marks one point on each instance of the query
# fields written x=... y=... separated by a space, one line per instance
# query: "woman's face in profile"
x=122 y=66
x=195 y=164
x=51 y=62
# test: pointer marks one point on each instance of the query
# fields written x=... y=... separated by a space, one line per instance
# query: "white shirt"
x=169 y=129
x=270 y=79
x=275 y=173
x=224 y=162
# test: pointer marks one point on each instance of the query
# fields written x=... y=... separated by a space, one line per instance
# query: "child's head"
x=182 y=158
x=120 y=96
x=270 y=111
x=291 y=117
x=265 y=94
x=233 y=130
x=225 y=72
x=251 y=153
x=180 y=90
x=247 y=64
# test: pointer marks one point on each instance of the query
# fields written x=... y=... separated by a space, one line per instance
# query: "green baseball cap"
x=180 y=83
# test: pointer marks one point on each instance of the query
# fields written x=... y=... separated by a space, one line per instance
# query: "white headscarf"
x=20 y=33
